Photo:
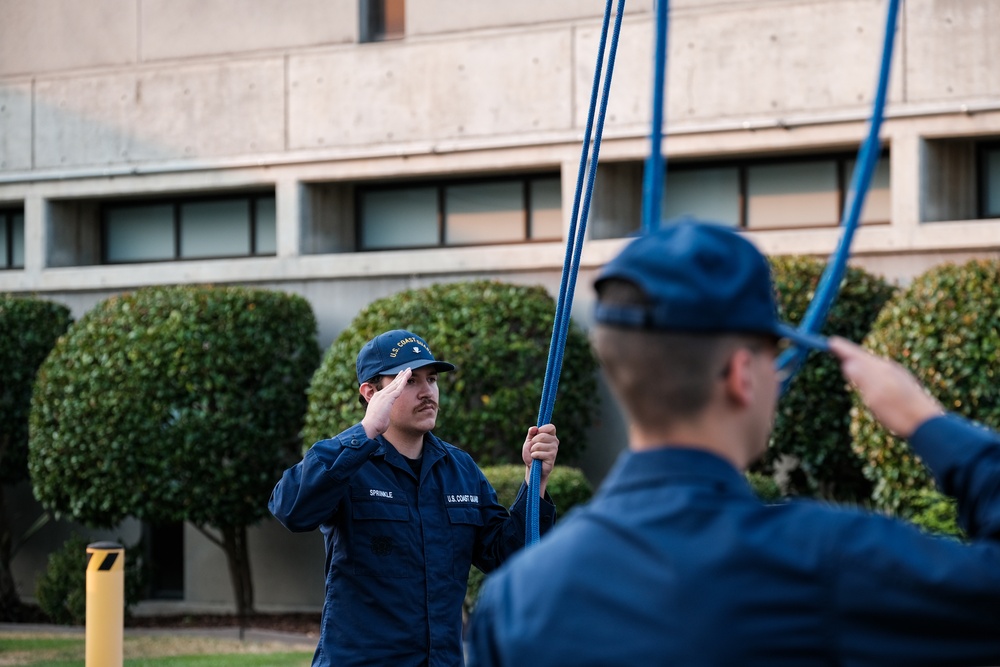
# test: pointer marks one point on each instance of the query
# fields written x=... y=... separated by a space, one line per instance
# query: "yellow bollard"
x=105 y=604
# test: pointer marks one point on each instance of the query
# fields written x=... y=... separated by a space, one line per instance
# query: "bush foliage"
x=946 y=329
x=764 y=486
x=498 y=336
x=62 y=588
x=813 y=417
x=567 y=486
x=29 y=329
x=170 y=404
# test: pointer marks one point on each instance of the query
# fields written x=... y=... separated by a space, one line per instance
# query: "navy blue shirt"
x=398 y=547
x=676 y=562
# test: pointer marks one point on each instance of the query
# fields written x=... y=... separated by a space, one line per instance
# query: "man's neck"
x=409 y=444
x=698 y=435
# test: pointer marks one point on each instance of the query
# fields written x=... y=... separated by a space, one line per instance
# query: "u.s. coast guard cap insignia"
x=393 y=352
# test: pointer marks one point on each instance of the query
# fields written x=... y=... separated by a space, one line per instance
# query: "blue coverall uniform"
x=398 y=548
x=676 y=562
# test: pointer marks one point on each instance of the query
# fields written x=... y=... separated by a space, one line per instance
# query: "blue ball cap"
x=698 y=277
x=393 y=352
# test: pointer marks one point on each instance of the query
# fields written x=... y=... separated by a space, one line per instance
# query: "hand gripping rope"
x=653 y=183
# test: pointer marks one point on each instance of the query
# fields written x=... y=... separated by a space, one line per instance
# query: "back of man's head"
x=659 y=376
x=671 y=308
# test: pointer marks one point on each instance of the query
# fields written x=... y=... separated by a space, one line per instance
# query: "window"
x=382 y=20
x=11 y=239
x=772 y=193
x=203 y=228
x=460 y=213
x=959 y=179
x=796 y=194
x=712 y=193
x=164 y=549
x=990 y=181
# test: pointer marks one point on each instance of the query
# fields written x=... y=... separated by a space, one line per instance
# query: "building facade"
x=348 y=149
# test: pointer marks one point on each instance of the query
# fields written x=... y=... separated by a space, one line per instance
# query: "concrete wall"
x=149 y=85
x=131 y=98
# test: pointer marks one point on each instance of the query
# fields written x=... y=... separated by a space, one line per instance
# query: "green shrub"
x=813 y=417
x=171 y=404
x=62 y=588
x=935 y=513
x=567 y=487
x=498 y=336
x=946 y=329
x=764 y=486
x=28 y=330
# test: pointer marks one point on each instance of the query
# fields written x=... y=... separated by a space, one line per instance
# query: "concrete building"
x=347 y=149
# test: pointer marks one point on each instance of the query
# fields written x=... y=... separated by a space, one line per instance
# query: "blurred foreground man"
x=676 y=562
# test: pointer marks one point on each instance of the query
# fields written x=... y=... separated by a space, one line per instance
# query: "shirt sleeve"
x=965 y=460
x=309 y=492
x=504 y=529
x=905 y=597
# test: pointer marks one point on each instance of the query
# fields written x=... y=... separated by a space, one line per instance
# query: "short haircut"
x=660 y=377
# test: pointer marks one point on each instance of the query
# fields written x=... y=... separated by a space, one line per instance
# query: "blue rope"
x=574 y=247
x=826 y=292
x=655 y=176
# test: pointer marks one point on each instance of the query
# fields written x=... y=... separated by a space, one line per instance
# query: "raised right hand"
x=376 y=420
x=891 y=392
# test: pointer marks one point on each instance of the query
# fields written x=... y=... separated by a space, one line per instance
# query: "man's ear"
x=739 y=381
x=367 y=390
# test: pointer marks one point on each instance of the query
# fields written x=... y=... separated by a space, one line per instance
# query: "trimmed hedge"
x=566 y=486
x=764 y=486
x=62 y=588
x=497 y=334
x=172 y=403
x=30 y=328
x=813 y=417
x=946 y=329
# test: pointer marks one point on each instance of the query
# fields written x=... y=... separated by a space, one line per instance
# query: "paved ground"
x=295 y=640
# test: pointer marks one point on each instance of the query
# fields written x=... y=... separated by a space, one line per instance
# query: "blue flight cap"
x=393 y=352
x=698 y=277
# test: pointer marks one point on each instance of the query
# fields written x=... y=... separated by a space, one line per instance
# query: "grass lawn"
x=45 y=650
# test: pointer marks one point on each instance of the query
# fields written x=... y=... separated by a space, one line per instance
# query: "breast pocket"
x=382 y=544
x=465 y=523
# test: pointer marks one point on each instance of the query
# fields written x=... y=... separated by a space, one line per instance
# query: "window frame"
x=371 y=30
x=743 y=165
x=983 y=151
x=176 y=204
x=440 y=186
x=7 y=215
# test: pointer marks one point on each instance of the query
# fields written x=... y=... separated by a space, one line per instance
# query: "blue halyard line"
x=868 y=154
x=574 y=248
x=655 y=176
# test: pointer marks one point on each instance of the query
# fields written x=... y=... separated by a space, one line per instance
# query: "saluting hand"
x=376 y=420
x=541 y=443
x=891 y=392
